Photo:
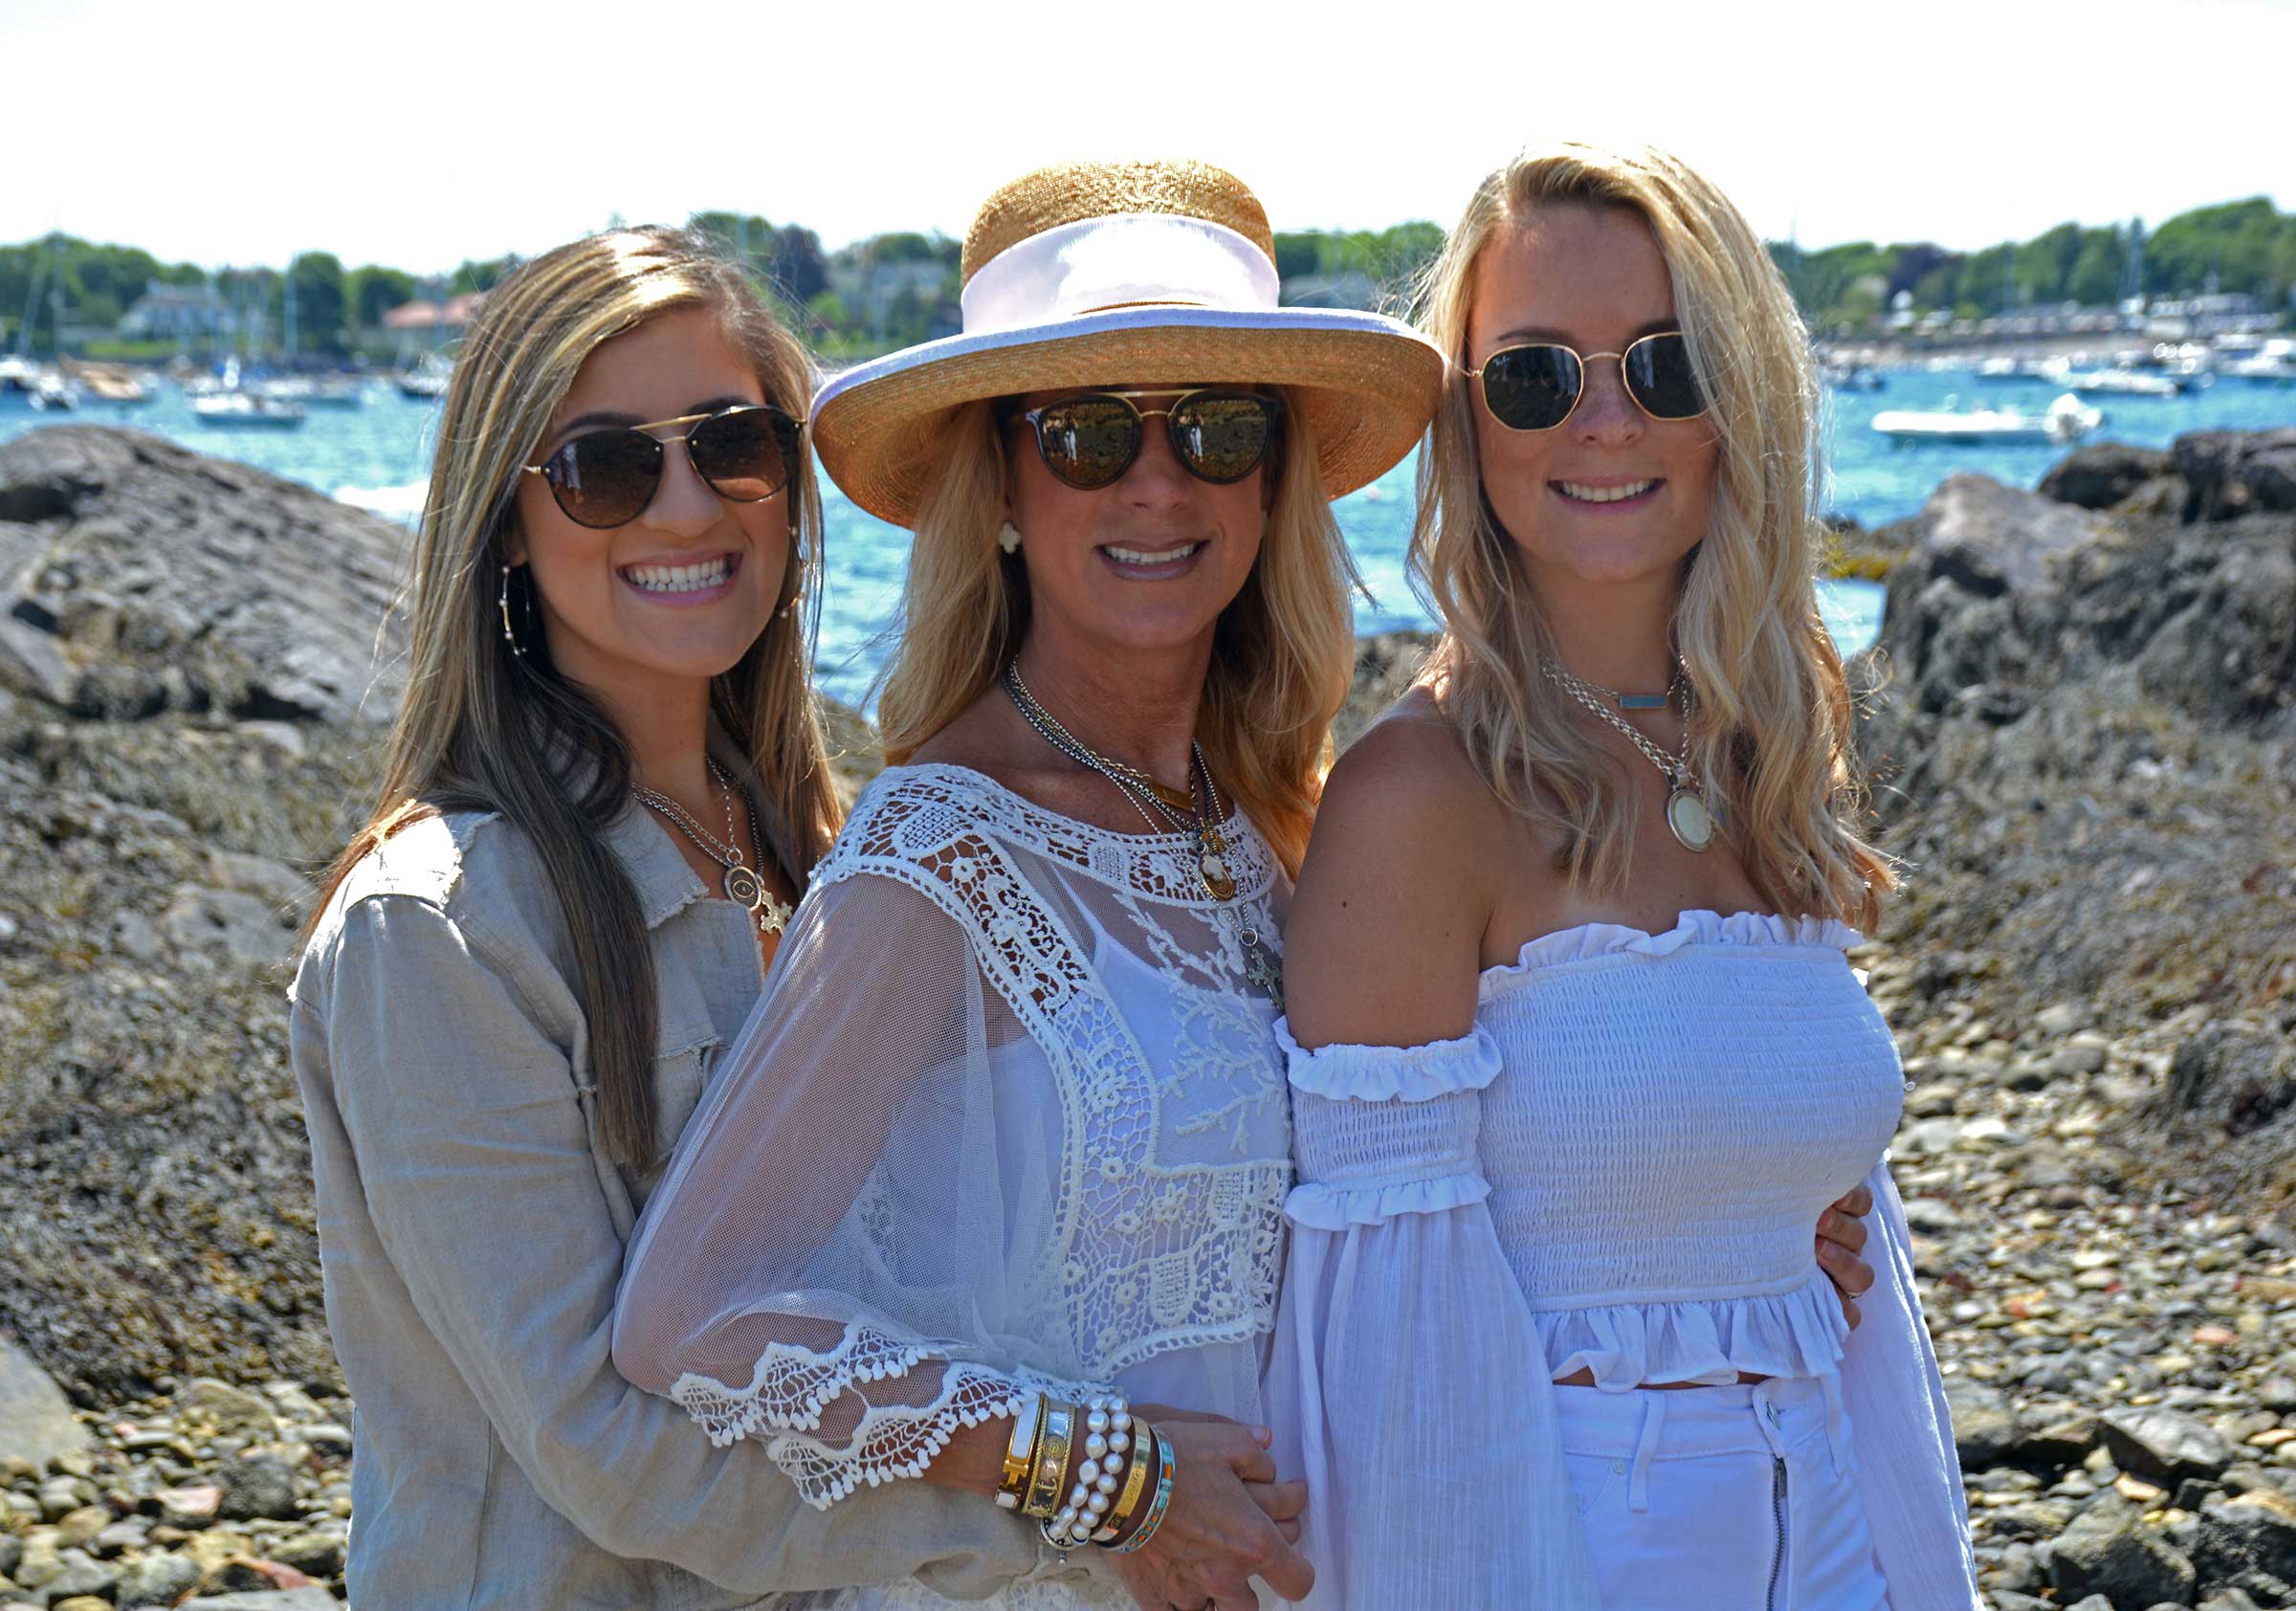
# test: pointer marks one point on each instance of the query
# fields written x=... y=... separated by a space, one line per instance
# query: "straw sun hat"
x=1114 y=274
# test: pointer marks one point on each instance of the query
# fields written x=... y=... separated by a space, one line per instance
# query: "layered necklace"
x=1197 y=813
x=743 y=885
x=1688 y=816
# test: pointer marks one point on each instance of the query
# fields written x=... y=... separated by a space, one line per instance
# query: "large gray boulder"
x=163 y=580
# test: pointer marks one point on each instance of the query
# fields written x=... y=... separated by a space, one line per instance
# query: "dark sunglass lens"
x=1659 y=376
x=1224 y=437
x=1088 y=443
x=606 y=478
x=740 y=455
x=1532 y=389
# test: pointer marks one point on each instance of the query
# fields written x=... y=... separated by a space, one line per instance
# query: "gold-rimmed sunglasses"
x=1218 y=435
x=606 y=478
x=1537 y=387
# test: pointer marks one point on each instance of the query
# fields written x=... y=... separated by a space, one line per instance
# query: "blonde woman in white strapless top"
x=1574 y=1050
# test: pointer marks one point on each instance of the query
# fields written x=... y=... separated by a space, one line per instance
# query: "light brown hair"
x=483 y=729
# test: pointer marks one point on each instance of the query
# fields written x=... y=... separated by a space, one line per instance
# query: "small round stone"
x=1119 y=1441
x=1096 y=1421
x=1106 y=1485
x=1121 y=1421
x=1097 y=1504
x=1088 y=1472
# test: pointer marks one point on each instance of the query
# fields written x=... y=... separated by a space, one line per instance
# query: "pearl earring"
x=1008 y=537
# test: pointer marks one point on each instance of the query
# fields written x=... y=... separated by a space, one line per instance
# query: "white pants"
x=1735 y=1498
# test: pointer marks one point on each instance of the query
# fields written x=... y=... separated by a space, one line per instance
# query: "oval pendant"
x=743 y=887
x=1213 y=870
x=1692 y=823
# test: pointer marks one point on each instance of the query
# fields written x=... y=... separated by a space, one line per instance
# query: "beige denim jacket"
x=471 y=1235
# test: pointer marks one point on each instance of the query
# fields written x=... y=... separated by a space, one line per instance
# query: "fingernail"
x=1263 y=1435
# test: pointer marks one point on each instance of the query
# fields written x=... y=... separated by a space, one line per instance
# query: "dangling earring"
x=1008 y=537
x=503 y=603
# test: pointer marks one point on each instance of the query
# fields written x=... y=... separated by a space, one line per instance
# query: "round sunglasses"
x=1537 y=387
x=1220 y=436
x=607 y=477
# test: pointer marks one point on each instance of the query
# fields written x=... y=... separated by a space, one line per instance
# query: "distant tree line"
x=2244 y=247
x=898 y=288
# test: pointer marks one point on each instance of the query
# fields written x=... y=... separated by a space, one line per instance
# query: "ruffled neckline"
x=1589 y=941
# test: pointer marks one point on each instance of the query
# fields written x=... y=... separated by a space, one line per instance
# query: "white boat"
x=2069 y=420
x=2122 y=383
x=2263 y=368
x=315 y=391
x=427 y=380
x=247 y=409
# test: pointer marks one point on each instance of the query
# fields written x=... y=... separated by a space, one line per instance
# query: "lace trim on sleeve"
x=783 y=1402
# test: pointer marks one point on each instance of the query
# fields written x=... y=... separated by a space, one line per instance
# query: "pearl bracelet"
x=1106 y=1440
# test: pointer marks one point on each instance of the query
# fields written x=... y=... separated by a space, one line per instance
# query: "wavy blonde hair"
x=483 y=729
x=1772 y=730
x=1283 y=656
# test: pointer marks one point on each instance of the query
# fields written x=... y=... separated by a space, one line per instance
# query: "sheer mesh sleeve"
x=829 y=1264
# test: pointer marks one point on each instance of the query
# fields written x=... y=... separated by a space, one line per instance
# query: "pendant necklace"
x=743 y=885
x=1688 y=816
x=1196 y=814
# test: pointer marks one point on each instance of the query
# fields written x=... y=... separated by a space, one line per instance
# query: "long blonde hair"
x=1282 y=658
x=1772 y=724
x=483 y=729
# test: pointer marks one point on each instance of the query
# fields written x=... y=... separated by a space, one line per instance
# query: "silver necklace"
x=740 y=880
x=1688 y=817
x=1261 y=964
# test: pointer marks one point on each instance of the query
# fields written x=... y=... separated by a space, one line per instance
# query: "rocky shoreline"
x=2083 y=728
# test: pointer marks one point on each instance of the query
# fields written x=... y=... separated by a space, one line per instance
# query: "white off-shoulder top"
x=1618 y=1169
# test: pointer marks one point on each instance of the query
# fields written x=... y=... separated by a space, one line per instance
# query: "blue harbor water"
x=377 y=455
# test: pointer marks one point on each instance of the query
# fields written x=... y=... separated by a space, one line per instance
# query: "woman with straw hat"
x=997 y=1169
x=1575 y=1048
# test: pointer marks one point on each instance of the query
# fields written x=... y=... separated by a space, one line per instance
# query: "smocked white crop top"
x=1620 y=1168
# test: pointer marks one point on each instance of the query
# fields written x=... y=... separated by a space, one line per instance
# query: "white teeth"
x=1135 y=557
x=680 y=579
x=1604 y=494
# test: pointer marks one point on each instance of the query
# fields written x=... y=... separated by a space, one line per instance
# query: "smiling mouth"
x=1149 y=558
x=696 y=578
x=1579 y=492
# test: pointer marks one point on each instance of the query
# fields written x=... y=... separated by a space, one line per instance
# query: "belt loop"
x=1837 y=1422
x=1654 y=1416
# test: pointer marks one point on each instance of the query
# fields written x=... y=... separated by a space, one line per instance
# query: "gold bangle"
x=1020 y=1455
x=1141 y=1456
x=1051 y=1460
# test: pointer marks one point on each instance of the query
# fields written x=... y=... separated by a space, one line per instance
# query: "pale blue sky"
x=420 y=134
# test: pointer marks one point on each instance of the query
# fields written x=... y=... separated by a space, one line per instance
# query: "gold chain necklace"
x=1200 y=817
x=743 y=885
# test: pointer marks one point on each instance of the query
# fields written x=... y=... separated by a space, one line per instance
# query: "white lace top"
x=1009 y=1114
x=1619 y=1169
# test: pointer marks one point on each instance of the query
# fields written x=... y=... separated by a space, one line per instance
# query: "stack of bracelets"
x=1104 y=1505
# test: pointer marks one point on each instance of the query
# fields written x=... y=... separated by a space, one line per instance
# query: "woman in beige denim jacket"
x=506 y=1008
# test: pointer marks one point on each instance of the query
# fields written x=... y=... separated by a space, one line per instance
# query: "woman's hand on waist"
x=1840 y=1238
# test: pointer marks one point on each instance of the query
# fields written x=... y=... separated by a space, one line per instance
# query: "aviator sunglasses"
x=1537 y=387
x=607 y=477
x=1218 y=436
